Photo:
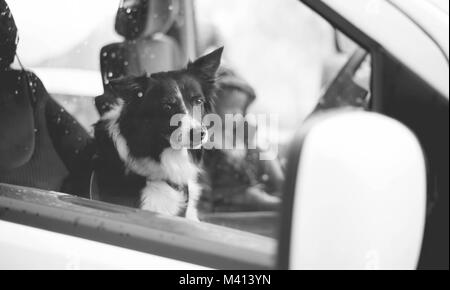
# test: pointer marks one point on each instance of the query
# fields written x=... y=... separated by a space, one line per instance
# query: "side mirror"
x=356 y=195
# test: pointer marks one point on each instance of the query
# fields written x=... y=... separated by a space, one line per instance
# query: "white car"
x=365 y=189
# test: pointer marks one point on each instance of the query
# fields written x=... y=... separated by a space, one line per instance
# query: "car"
x=366 y=163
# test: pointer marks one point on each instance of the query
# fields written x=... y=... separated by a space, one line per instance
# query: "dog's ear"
x=207 y=65
x=130 y=87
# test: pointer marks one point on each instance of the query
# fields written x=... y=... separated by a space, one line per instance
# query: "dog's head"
x=165 y=109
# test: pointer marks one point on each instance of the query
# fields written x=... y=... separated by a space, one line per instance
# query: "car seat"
x=41 y=145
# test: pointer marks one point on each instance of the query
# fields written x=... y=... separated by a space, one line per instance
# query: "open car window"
x=279 y=66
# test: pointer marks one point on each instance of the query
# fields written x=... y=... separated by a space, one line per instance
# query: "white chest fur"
x=158 y=196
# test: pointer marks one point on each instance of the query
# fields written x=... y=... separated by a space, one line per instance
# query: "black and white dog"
x=143 y=160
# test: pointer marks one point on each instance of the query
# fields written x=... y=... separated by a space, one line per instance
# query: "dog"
x=143 y=160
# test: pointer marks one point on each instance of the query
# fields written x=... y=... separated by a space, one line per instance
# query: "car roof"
x=441 y=4
x=415 y=32
x=431 y=15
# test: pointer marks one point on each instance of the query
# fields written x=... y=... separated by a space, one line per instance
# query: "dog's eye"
x=198 y=101
x=167 y=107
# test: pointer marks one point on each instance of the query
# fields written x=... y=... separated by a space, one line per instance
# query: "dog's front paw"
x=192 y=214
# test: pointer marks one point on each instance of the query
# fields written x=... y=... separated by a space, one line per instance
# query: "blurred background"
x=279 y=48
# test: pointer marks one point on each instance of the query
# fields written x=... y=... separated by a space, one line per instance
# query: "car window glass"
x=278 y=62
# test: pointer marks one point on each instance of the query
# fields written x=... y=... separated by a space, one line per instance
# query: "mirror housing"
x=355 y=195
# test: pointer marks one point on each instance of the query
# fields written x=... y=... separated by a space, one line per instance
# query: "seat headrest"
x=144 y=18
x=17 y=125
x=8 y=36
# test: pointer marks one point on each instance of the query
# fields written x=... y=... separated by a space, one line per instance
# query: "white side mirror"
x=360 y=195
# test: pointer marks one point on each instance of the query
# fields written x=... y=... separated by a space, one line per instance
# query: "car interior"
x=41 y=141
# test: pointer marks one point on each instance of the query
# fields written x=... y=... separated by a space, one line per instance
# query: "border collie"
x=142 y=160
